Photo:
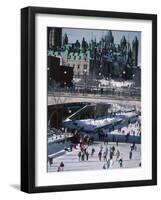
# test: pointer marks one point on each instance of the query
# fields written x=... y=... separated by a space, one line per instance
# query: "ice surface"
x=72 y=163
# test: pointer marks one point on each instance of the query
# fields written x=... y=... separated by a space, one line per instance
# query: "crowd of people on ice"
x=108 y=154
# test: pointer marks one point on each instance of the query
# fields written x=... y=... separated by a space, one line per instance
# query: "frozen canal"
x=72 y=163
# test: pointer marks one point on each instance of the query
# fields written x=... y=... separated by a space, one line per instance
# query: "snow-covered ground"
x=92 y=124
x=57 y=138
x=109 y=82
x=118 y=84
x=133 y=129
x=72 y=163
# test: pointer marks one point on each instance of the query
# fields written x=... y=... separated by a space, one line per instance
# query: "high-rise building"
x=54 y=37
x=135 y=45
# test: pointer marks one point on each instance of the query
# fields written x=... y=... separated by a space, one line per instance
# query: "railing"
x=103 y=92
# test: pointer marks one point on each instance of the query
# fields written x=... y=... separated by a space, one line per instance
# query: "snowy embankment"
x=57 y=154
x=90 y=126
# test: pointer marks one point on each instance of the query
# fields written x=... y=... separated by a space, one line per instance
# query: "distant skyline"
x=88 y=34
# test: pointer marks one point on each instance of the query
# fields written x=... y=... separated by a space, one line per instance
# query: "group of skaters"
x=107 y=154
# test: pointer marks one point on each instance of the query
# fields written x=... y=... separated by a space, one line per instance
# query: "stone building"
x=95 y=59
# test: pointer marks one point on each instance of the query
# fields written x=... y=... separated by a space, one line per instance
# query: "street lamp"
x=98 y=83
x=85 y=79
x=85 y=70
x=133 y=76
x=123 y=77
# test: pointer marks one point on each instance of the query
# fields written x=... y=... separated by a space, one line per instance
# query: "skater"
x=107 y=151
x=105 y=156
x=58 y=170
x=117 y=154
x=131 y=147
x=111 y=162
x=100 y=155
x=79 y=156
x=82 y=156
x=111 y=154
x=50 y=161
x=92 y=152
x=121 y=162
x=87 y=155
x=117 y=142
x=104 y=166
x=71 y=147
x=113 y=149
x=130 y=155
x=101 y=148
x=108 y=163
x=61 y=166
